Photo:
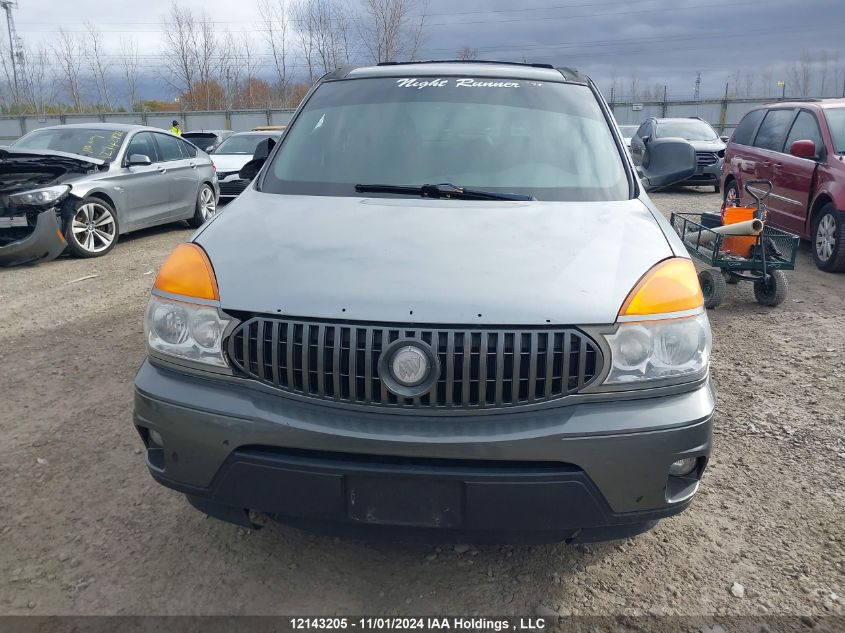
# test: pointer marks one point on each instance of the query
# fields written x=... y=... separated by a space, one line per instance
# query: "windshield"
x=836 y=124
x=691 y=130
x=244 y=144
x=542 y=139
x=102 y=144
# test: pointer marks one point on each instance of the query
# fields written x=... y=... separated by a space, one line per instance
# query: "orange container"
x=740 y=246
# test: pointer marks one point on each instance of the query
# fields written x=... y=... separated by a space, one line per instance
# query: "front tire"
x=713 y=286
x=206 y=207
x=92 y=229
x=717 y=188
x=771 y=291
x=829 y=240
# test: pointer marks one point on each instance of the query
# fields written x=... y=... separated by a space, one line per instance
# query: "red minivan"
x=800 y=147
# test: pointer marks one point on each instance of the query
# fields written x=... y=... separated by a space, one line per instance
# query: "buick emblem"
x=409 y=366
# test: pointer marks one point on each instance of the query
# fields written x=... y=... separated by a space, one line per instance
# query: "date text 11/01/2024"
x=420 y=624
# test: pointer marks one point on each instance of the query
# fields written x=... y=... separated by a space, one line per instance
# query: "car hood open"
x=431 y=261
x=31 y=169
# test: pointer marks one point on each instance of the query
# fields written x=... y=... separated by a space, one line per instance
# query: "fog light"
x=683 y=467
x=155 y=438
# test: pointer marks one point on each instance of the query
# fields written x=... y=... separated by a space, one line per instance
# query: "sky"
x=658 y=41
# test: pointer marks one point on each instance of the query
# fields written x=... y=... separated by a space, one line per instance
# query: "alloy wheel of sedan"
x=826 y=237
x=93 y=227
x=208 y=206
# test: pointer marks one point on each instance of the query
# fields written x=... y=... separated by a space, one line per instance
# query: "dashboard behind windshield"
x=543 y=139
x=94 y=143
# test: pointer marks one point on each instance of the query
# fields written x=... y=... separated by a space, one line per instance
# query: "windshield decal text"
x=413 y=82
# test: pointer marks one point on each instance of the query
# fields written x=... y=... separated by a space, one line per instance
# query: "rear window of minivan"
x=744 y=133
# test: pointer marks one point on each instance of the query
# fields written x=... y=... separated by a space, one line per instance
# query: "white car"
x=232 y=154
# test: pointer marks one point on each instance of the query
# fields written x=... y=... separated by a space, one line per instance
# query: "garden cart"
x=759 y=258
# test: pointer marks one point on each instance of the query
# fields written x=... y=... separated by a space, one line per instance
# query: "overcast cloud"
x=661 y=41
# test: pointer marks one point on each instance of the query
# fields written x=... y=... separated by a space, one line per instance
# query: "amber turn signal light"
x=188 y=272
x=670 y=286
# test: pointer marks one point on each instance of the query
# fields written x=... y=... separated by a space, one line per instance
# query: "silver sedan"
x=101 y=180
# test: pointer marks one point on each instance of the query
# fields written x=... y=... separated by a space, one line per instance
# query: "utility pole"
x=8 y=5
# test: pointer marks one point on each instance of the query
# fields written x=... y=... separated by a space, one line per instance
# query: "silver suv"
x=709 y=146
x=445 y=309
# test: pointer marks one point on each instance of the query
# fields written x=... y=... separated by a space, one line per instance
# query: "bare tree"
x=801 y=74
x=274 y=18
x=68 y=54
x=467 y=53
x=179 y=32
x=767 y=79
x=207 y=57
x=634 y=85
x=98 y=64
x=389 y=31
x=39 y=79
x=824 y=67
x=324 y=30
x=306 y=32
x=129 y=62
x=748 y=81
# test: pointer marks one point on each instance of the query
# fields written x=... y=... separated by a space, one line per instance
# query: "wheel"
x=772 y=291
x=206 y=207
x=829 y=239
x=731 y=193
x=713 y=286
x=717 y=188
x=92 y=229
x=730 y=279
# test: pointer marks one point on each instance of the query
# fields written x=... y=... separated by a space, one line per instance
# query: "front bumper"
x=42 y=245
x=706 y=174
x=584 y=471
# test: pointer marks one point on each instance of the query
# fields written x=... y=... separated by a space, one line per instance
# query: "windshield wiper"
x=442 y=190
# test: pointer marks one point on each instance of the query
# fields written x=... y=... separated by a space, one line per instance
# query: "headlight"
x=656 y=350
x=186 y=330
x=40 y=197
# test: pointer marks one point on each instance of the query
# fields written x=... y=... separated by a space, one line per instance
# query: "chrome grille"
x=705 y=159
x=479 y=368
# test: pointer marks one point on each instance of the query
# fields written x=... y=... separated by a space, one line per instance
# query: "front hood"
x=84 y=162
x=24 y=171
x=230 y=162
x=707 y=146
x=431 y=261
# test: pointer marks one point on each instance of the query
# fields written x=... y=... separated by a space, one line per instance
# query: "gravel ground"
x=84 y=530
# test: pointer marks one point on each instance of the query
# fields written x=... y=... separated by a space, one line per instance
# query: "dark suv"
x=709 y=148
x=799 y=147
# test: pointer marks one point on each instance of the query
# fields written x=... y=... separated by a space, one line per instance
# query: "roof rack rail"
x=468 y=61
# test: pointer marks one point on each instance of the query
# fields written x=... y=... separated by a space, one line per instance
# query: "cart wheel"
x=772 y=291
x=713 y=286
x=730 y=279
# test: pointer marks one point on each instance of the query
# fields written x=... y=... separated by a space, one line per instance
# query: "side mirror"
x=136 y=160
x=724 y=138
x=259 y=157
x=263 y=149
x=251 y=169
x=667 y=161
x=803 y=149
